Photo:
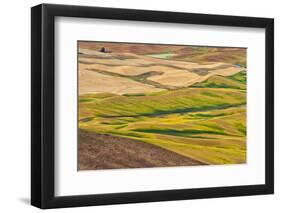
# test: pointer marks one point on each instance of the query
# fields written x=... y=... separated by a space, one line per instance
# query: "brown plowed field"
x=102 y=151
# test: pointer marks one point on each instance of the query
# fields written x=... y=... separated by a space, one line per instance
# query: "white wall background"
x=15 y=106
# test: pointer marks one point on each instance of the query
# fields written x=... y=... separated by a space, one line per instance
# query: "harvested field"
x=94 y=82
x=174 y=73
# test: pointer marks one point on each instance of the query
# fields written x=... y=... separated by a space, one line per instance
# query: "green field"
x=206 y=124
x=237 y=81
x=162 y=55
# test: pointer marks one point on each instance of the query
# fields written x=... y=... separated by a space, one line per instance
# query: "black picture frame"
x=43 y=102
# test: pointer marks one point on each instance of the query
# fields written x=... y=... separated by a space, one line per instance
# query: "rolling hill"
x=150 y=105
x=133 y=73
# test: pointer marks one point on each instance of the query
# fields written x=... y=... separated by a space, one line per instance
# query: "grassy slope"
x=182 y=100
x=191 y=122
x=236 y=81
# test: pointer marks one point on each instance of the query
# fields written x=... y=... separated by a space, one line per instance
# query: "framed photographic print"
x=139 y=106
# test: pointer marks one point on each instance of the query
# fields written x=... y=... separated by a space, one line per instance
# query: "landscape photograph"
x=160 y=105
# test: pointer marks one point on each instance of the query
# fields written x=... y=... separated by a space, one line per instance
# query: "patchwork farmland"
x=148 y=105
